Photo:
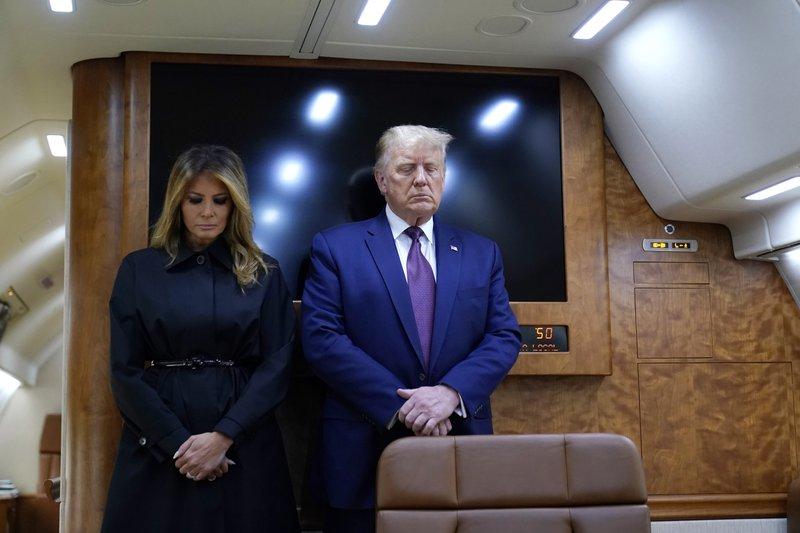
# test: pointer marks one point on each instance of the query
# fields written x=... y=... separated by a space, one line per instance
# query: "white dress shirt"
x=403 y=241
x=428 y=246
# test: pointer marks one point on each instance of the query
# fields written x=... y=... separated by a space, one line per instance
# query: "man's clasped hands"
x=427 y=409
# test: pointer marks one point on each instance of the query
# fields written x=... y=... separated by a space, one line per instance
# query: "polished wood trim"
x=328 y=63
x=708 y=506
x=586 y=310
x=91 y=420
x=136 y=170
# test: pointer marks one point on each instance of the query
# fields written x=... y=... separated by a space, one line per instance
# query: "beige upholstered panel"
x=616 y=519
x=604 y=469
x=426 y=482
x=514 y=521
x=512 y=483
x=416 y=521
x=490 y=472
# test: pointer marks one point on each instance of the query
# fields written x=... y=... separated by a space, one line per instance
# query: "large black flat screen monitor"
x=307 y=137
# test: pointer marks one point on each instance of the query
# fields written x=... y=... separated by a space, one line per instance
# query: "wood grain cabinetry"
x=705 y=353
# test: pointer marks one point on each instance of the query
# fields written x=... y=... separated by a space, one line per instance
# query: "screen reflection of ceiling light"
x=58 y=146
x=61 y=6
x=774 y=190
x=290 y=170
x=271 y=216
x=600 y=20
x=450 y=175
x=323 y=107
x=373 y=12
x=498 y=114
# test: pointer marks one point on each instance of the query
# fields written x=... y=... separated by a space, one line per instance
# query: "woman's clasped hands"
x=202 y=456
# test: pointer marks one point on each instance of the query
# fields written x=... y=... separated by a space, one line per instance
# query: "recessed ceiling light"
x=600 y=20
x=778 y=188
x=58 y=146
x=372 y=12
x=61 y=6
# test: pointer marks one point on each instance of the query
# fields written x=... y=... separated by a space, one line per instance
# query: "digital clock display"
x=544 y=338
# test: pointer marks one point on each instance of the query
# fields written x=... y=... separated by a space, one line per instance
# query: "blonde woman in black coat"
x=201 y=337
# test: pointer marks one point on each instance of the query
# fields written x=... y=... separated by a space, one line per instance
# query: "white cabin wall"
x=21 y=425
x=700 y=102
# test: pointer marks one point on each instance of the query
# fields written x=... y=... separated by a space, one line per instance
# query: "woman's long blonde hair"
x=225 y=165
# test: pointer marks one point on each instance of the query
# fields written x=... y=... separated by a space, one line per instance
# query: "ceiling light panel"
x=774 y=190
x=600 y=20
x=373 y=12
x=58 y=145
x=61 y=6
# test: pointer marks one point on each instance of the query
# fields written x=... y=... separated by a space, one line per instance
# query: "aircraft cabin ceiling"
x=700 y=100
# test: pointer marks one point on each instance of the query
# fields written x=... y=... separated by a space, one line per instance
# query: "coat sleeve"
x=270 y=380
x=159 y=429
x=349 y=371
x=482 y=370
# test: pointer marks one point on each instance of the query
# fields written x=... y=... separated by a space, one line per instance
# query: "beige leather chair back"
x=512 y=483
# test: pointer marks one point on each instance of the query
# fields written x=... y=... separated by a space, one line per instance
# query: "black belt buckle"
x=195 y=362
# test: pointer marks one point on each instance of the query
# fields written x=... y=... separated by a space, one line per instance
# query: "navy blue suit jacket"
x=360 y=337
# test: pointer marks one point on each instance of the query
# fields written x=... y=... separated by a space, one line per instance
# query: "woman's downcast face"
x=205 y=209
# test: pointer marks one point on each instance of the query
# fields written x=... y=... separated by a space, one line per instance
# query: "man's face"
x=412 y=182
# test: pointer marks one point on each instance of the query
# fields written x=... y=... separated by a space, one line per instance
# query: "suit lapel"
x=384 y=252
x=448 y=272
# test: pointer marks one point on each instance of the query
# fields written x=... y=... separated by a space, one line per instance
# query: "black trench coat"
x=194 y=307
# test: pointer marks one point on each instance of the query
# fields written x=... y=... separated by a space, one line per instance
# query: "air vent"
x=545 y=7
x=122 y=2
x=18 y=183
x=502 y=26
x=315 y=28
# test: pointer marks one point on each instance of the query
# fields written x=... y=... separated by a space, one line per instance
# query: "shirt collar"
x=218 y=249
x=398 y=225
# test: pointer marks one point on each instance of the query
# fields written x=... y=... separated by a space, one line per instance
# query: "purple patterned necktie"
x=422 y=288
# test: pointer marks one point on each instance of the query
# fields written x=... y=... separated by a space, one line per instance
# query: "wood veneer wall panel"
x=749 y=317
x=92 y=423
x=528 y=404
x=673 y=322
x=717 y=427
x=669 y=273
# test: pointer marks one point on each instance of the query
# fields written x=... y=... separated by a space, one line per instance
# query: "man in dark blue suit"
x=406 y=320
